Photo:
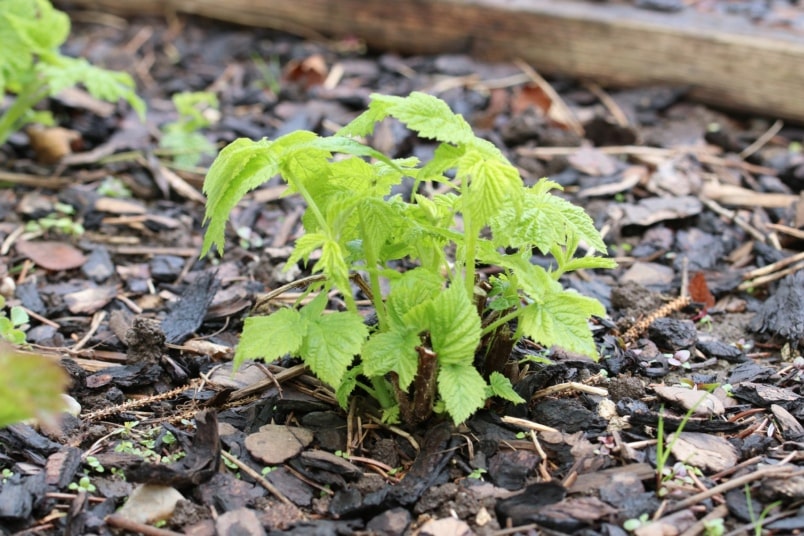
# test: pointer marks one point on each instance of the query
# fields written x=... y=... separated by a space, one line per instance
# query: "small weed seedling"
x=432 y=320
x=5 y=474
x=32 y=68
x=635 y=522
x=12 y=323
x=84 y=483
x=758 y=521
x=62 y=221
x=664 y=473
x=477 y=474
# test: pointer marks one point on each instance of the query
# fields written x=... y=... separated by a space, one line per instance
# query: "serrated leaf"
x=41 y=27
x=333 y=264
x=445 y=157
x=415 y=287
x=379 y=222
x=331 y=343
x=493 y=184
x=546 y=220
x=454 y=326
x=344 y=390
x=240 y=167
x=363 y=124
x=562 y=319
x=270 y=337
x=32 y=385
x=304 y=246
x=588 y=263
x=501 y=387
x=102 y=84
x=342 y=144
x=462 y=389
x=428 y=116
x=392 y=351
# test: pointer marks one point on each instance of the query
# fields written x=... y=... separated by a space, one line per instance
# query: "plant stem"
x=311 y=204
x=500 y=321
x=469 y=247
x=30 y=95
x=382 y=393
x=374 y=277
x=322 y=222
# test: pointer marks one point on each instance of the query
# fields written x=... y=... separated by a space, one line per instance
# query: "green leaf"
x=454 y=326
x=348 y=384
x=428 y=116
x=304 y=246
x=561 y=319
x=546 y=220
x=240 y=167
x=18 y=316
x=32 y=385
x=102 y=84
x=392 y=351
x=588 y=263
x=363 y=124
x=501 y=387
x=333 y=264
x=188 y=146
x=463 y=390
x=271 y=337
x=331 y=343
x=493 y=183
x=415 y=287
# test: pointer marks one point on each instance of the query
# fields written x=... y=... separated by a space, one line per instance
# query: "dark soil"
x=695 y=212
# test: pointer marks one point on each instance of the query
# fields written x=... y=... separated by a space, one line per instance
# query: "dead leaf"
x=55 y=256
x=530 y=95
x=89 y=300
x=699 y=290
x=593 y=161
x=309 y=72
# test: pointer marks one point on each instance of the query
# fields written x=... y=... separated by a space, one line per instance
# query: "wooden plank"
x=726 y=60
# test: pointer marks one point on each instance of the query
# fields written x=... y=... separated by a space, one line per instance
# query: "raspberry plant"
x=435 y=324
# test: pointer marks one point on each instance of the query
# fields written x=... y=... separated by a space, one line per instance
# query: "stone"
x=149 y=503
x=275 y=444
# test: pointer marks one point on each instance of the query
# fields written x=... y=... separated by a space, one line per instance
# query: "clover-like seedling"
x=429 y=350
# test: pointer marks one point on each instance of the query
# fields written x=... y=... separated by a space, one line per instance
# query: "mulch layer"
x=702 y=211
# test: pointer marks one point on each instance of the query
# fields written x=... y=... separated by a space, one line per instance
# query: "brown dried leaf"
x=699 y=290
x=309 y=72
x=55 y=256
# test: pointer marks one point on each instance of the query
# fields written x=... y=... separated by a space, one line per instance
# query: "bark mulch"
x=701 y=210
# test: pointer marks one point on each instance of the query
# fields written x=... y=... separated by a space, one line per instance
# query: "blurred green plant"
x=31 y=385
x=183 y=137
x=62 y=221
x=12 y=322
x=32 y=68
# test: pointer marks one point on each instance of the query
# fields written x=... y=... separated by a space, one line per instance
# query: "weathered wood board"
x=726 y=61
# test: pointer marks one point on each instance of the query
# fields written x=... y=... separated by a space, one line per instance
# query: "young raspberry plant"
x=436 y=325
